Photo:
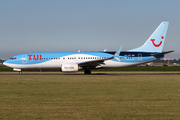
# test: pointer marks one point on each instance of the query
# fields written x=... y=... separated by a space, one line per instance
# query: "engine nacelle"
x=16 y=69
x=69 y=67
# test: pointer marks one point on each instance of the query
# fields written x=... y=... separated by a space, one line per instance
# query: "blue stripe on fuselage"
x=129 y=57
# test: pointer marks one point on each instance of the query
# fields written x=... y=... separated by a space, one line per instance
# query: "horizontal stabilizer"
x=163 y=53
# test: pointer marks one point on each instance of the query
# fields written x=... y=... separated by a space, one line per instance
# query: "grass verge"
x=92 y=97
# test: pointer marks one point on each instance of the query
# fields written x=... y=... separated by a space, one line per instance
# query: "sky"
x=86 y=25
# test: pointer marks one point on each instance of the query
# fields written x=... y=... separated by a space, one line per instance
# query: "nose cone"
x=5 y=63
x=10 y=63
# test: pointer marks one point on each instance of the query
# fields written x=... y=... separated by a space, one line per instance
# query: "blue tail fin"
x=156 y=41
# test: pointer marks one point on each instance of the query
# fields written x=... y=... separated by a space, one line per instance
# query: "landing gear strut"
x=87 y=71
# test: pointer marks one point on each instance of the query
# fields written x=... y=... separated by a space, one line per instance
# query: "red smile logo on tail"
x=157 y=45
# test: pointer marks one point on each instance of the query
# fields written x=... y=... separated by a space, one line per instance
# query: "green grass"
x=89 y=97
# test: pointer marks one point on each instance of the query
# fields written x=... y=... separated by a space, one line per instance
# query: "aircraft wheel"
x=87 y=71
x=20 y=72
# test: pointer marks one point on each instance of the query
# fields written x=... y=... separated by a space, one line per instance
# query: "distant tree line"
x=165 y=61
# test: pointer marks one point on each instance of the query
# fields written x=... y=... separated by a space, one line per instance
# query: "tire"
x=20 y=72
x=87 y=71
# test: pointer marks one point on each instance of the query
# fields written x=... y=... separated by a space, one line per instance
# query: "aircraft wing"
x=94 y=63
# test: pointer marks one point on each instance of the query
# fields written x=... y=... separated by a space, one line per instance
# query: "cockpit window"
x=12 y=58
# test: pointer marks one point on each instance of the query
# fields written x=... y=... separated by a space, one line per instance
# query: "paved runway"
x=98 y=74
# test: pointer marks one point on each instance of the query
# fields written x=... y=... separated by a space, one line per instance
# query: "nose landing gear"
x=20 y=72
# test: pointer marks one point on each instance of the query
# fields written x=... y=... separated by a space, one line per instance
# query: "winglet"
x=118 y=52
x=116 y=55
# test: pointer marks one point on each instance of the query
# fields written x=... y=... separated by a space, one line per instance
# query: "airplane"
x=74 y=61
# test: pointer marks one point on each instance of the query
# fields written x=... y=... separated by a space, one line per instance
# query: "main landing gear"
x=87 y=71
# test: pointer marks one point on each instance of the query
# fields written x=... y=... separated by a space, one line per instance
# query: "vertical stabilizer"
x=156 y=41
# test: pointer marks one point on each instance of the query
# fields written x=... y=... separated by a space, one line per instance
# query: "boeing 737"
x=74 y=61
